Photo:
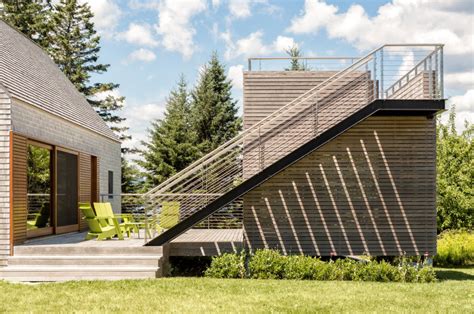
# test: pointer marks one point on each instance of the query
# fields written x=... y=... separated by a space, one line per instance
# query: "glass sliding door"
x=66 y=191
x=39 y=187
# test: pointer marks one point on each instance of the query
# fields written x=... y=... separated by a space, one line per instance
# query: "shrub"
x=227 y=266
x=267 y=264
x=455 y=248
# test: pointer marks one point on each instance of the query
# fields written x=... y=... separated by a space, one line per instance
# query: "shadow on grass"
x=454 y=274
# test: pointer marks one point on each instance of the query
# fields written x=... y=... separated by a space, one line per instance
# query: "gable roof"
x=30 y=75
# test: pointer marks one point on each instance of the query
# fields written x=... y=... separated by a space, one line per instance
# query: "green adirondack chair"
x=169 y=216
x=126 y=223
x=98 y=225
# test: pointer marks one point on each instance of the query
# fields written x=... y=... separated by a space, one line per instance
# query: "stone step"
x=34 y=273
x=50 y=260
x=86 y=250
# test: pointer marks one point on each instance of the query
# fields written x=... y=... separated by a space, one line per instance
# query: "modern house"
x=55 y=149
x=336 y=158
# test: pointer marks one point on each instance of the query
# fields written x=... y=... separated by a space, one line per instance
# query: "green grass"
x=454 y=293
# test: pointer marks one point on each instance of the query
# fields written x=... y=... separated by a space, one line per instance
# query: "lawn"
x=453 y=293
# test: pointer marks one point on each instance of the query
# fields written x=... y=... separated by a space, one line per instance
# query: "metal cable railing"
x=391 y=71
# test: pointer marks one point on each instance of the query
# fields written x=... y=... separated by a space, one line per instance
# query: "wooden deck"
x=195 y=242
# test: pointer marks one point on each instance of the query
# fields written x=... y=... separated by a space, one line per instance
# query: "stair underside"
x=388 y=107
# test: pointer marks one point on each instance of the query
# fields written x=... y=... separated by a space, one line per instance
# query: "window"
x=111 y=184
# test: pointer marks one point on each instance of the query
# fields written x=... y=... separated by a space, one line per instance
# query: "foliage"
x=455 y=176
x=131 y=178
x=270 y=264
x=455 y=248
x=171 y=146
x=227 y=266
x=31 y=17
x=38 y=169
x=214 y=112
x=295 y=64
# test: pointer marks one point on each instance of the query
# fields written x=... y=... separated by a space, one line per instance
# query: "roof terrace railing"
x=305 y=63
x=388 y=72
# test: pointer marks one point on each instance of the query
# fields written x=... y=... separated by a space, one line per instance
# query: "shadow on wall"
x=369 y=191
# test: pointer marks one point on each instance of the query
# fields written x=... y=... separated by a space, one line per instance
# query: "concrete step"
x=49 y=250
x=35 y=273
x=116 y=260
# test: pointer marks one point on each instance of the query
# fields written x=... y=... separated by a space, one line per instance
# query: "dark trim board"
x=429 y=107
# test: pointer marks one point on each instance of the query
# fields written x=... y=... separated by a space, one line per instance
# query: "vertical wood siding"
x=370 y=190
x=5 y=191
x=19 y=188
x=85 y=184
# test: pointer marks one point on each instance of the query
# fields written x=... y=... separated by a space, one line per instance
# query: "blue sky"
x=150 y=43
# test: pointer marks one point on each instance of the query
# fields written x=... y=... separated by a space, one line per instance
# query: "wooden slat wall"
x=370 y=190
x=417 y=88
x=265 y=92
x=19 y=188
x=85 y=184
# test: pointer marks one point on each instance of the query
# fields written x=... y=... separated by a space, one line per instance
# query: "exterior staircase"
x=39 y=263
x=216 y=182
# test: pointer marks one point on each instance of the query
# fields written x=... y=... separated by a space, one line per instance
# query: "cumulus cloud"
x=404 y=21
x=236 y=75
x=464 y=109
x=174 y=24
x=138 y=34
x=142 y=54
x=239 y=8
x=253 y=45
x=107 y=15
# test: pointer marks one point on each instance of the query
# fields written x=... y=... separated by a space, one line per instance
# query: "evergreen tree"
x=31 y=17
x=295 y=65
x=131 y=179
x=455 y=176
x=75 y=49
x=171 y=145
x=214 y=112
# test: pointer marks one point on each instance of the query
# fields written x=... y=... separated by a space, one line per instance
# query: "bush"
x=227 y=266
x=455 y=248
x=268 y=264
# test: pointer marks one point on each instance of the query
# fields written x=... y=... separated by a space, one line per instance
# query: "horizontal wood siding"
x=266 y=92
x=418 y=87
x=19 y=188
x=370 y=190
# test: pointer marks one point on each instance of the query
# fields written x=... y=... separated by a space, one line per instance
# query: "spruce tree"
x=131 y=181
x=75 y=48
x=214 y=112
x=31 y=17
x=171 y=146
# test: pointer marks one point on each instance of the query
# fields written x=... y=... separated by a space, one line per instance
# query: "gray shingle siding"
x=5 y=126
x=29 y=74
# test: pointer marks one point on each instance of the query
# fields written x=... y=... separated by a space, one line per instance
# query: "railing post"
x=249 y=64
x=376 y=92
x=260 y=151
x=381 y=74
x=430 y=78
x=441 y=74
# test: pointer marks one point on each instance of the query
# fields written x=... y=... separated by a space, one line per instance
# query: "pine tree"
x=31 y=17
x=171 y=140
x=214 y=112
x=75 y=48
x=295 y=65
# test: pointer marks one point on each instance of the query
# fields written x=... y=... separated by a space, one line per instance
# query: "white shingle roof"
x=30 y=75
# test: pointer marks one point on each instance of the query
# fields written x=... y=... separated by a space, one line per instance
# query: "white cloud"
x=106 y=15
x=139 y=34
x=400 y=21
x=174 y=24
x=239 y=8
x=142 y=54
x=236 y=75
x=252 y=45
x=464 y=109
x=459 y=80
